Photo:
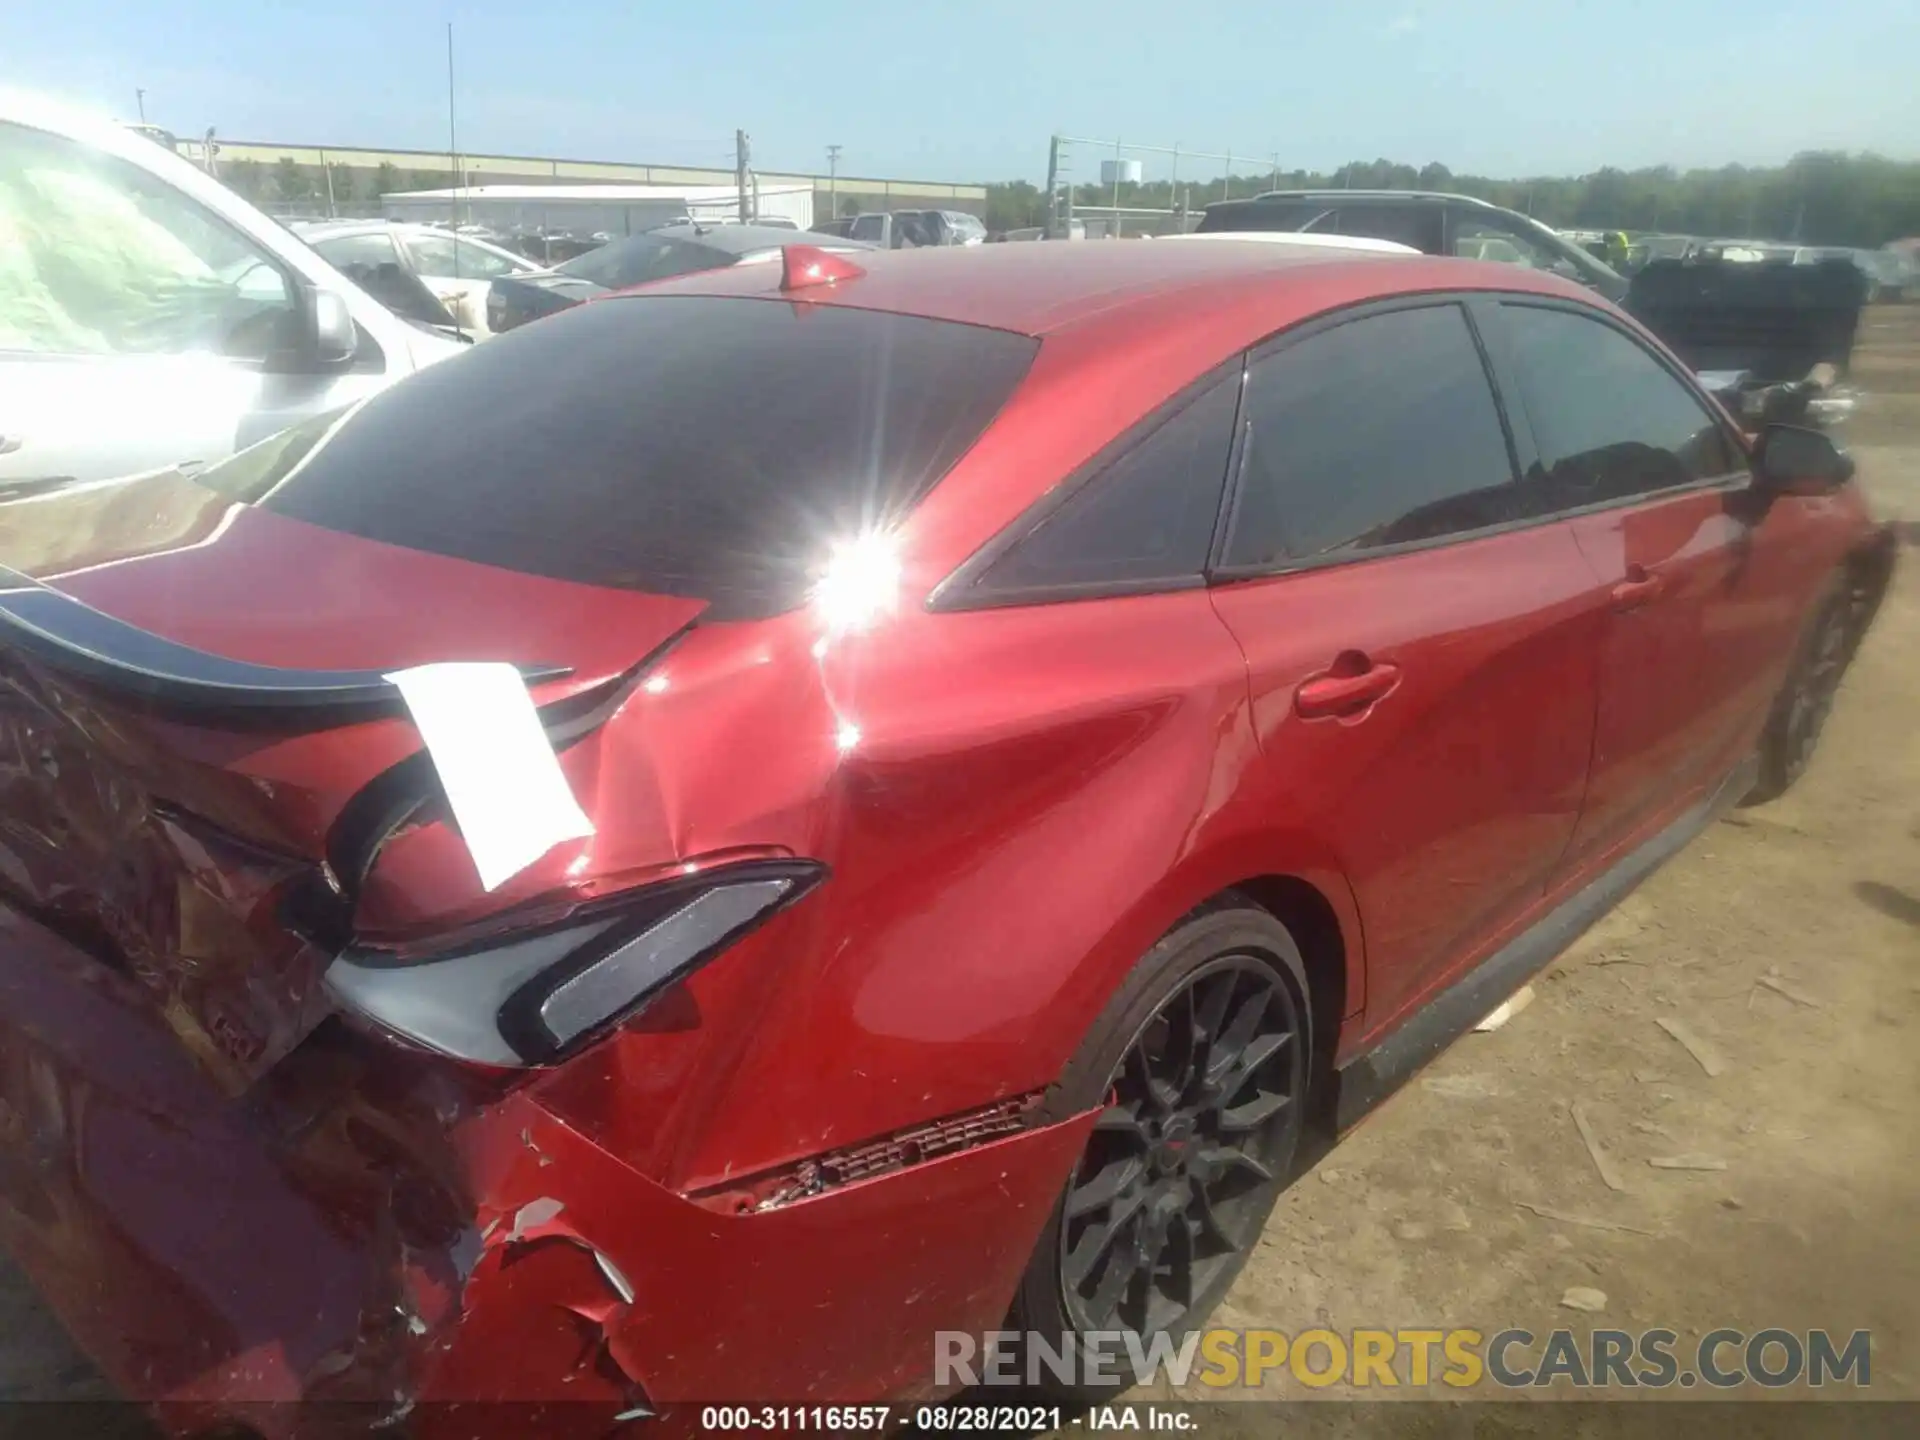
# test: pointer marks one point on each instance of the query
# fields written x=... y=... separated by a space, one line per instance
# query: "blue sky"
x=970 y=89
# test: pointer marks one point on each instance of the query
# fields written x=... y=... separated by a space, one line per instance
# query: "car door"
x=1422 y=659
x=137 y=328
x=1706 y=589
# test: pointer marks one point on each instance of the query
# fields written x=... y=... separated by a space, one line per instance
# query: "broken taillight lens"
x=529 y=997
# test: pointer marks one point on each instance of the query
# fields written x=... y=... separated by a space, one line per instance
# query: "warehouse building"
x=314 y=180
x=600 y=209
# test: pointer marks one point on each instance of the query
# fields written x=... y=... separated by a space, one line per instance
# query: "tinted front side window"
x=1149 y=515
x=1285 y=215
x=641 y=258
x=1480 y=237
x=682 y=445
x=1378 y=432
x=1610 y=420
x=1415 y=225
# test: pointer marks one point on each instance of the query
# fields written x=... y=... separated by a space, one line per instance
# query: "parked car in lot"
x=1754 y=331
x=459 y=269
x=1643 y=250
x=1890 y=275
x=1771 y=335
x=1034 y=731
x=651 y=255
x=1435 y=224
x=150 y=317
x=1309 y=241
x=916 y=229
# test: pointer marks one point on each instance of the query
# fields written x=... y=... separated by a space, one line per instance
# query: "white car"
x=150 y=317
x=1306 y=240
x=458 y=268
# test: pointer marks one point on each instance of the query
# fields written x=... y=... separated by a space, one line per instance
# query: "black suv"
x=1433 y=223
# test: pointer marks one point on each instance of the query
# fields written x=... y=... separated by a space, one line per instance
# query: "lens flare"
x=860 y=584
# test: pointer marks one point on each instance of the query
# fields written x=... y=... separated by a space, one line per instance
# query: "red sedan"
x=676 y=855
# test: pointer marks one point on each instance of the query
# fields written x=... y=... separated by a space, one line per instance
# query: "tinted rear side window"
x=1377 y=432
x=1147 y=517
x=1610 y=420
x=683 y=445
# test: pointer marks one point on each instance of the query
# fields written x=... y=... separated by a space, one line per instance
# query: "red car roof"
x=1126 y=324
x=1045 y=288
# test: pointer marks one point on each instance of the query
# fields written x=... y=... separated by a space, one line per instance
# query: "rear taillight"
x=529 y=997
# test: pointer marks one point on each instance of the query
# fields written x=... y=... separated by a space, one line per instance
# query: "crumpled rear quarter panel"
x=370 y=1232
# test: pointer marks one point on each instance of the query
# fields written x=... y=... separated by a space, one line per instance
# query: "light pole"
x=140 y=100
x=833 y=182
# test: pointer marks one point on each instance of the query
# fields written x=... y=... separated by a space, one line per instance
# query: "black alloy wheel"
x=1203 y=1116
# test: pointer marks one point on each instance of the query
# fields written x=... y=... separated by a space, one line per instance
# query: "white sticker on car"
x=502 y=778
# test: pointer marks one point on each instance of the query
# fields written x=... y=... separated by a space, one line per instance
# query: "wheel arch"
x=1313 y=922
x=1292 y=878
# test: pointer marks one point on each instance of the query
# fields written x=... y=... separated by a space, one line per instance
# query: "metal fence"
x=1116 y=188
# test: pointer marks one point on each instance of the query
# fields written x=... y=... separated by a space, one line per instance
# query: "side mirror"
x=334 y=337
x=1794 y=460
x=318 y=334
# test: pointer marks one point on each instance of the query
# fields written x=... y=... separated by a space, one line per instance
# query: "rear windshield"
x=700 y=446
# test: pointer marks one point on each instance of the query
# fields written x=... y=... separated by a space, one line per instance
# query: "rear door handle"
x=1640 y=586
x=1330 y=696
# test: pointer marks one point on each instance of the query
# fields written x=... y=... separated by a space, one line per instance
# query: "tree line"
x=1816 y=198
x=287 y=182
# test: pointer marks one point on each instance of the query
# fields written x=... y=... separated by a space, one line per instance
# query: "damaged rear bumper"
x=364 y=1239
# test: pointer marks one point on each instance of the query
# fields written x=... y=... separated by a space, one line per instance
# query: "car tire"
x=1197 y=1140
x=1800 y=710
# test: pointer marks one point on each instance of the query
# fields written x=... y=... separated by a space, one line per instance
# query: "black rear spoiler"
x=88 y=646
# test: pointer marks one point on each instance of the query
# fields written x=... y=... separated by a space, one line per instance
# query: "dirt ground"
x=1420 y=1218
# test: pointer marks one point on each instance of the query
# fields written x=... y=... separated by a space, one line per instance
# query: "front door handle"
x=1640 y=586
x=1331 y=696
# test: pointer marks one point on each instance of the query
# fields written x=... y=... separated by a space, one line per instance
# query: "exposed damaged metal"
x=913 y=1146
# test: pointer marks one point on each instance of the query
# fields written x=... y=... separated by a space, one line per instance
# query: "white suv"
x=149 y=317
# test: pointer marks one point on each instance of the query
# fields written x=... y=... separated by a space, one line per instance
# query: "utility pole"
x=833 y=182
x=140 y=100
x=742 y=153
x=453 y=146
x=1055 y=225
x=453 y=153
